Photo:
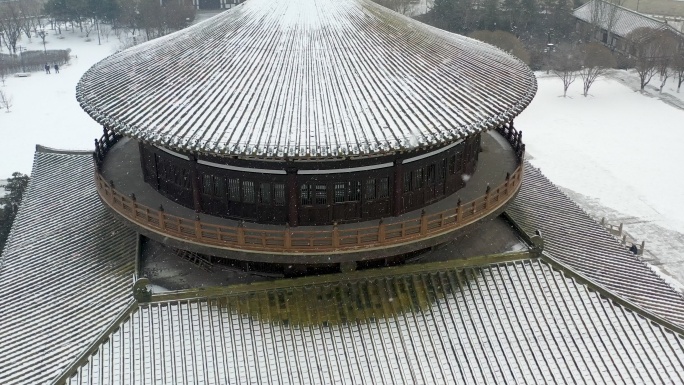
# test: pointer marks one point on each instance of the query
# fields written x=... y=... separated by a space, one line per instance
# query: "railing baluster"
x=336 y=236
x=241 y=234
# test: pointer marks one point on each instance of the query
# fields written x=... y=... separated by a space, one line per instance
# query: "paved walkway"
x=122 y=165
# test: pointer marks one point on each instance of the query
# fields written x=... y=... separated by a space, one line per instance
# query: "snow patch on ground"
x=45 y=109
x=618 y=154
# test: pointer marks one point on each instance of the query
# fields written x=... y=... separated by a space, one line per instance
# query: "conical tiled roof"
x=306 y=79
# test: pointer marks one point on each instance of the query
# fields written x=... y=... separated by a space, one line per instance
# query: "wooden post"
x=196 y=185
x=620 y=229
x=398 y=193
x=162 y=224
x=106 y=137
x=335 y=235
x=508 y=179
x=292 y=197
x=459 y=210
x=241 y=233
x=423 y=223
x=98 y=155
x=641 y=249
x=287 y=239
x=486 y=197
x=134 y=206
x=198 y=228
x=381 y=231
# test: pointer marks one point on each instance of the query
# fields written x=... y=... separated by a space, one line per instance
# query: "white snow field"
x=618 y=152
x=45 y=109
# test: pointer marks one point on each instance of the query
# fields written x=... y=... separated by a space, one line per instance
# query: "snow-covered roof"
x=306 y=79
x=519 y=322
x=623 y=20
x=576 y=240
x=66 y=278
x=66 y=270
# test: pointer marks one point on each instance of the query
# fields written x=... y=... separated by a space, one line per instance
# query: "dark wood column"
x=398 y=187
x=196 y=185
x=292 y=197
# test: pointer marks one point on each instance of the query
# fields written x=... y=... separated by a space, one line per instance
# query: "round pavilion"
x=287 y=116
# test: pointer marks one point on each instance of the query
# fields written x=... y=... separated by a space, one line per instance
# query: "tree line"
x=149 y=16
x=652 y=53
x=29 y=17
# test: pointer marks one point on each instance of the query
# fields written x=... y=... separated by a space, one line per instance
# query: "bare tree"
x=4 y=70
x=88 y=26
x=667 y=45
x=678 y=69
x=105 y=31
x=652 y=50
x=5 y=101
x=402 y=6
x=504 y=40
x=596 y=59
x=29 y=20
x=10 y=25
x=603 y=16
x=565 y=64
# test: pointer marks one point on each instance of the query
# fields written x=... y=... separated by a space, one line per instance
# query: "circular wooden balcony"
x=319 y=244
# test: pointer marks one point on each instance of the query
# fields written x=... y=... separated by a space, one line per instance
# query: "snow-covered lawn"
x=618 y=152
x=45 y=109
x=620 y=146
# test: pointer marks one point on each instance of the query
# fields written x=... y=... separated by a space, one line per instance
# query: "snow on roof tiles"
x=573 y=238
x=306 y=79
x=65 y=273
x=519 y=322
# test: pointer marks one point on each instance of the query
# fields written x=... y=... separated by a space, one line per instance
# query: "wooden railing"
x=102 y=146
x=294 y=240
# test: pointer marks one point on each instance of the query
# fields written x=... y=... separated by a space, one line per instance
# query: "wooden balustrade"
x=102 y=146
x=293 y=240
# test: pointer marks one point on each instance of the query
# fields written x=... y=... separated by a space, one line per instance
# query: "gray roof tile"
x=66 y=271
x=514 y=322
x=575 y=239
x=623 y=20
x=306 y=79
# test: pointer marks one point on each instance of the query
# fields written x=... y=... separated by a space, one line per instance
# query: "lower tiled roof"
x=573 y=238
x=66 y=271
x=516 y=322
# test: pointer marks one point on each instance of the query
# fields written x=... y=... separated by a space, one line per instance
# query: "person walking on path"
x=56 y=68
x=47 y=69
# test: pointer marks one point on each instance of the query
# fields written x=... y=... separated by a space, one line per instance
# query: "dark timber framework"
x=310 y=193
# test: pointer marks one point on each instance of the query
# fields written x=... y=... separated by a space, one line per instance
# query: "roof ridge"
x=664 y=24
x=50 y=150
x=463 y=263
x=94 y=345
